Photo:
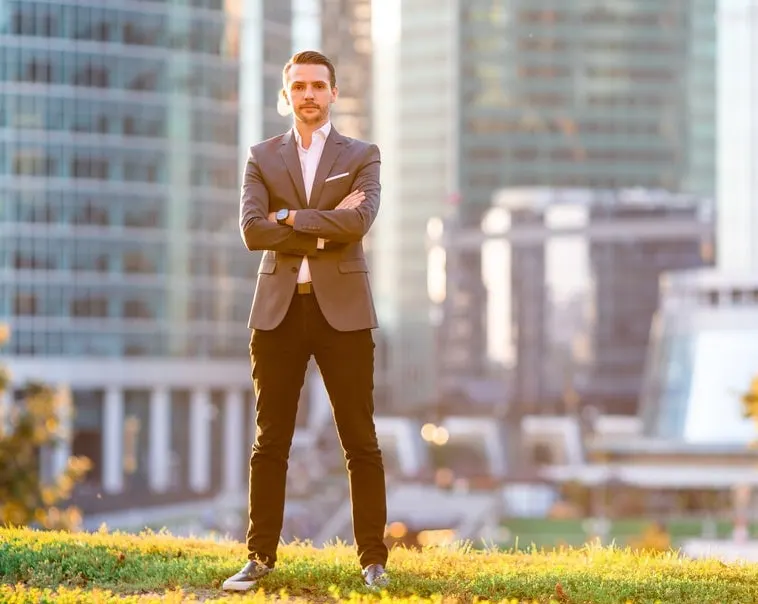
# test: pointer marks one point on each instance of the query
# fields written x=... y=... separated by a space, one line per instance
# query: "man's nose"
x=309 y=92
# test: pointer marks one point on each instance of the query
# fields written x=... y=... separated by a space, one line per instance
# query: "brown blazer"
x=273 y=180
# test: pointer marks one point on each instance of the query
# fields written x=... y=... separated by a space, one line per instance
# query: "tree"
x=750 y=401
x=28 y=432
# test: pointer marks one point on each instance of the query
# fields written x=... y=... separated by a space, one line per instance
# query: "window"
x=25 y=303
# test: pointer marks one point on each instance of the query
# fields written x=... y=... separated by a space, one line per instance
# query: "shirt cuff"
x=320 y=244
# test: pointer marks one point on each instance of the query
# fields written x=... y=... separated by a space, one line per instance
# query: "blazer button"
x=294 y=269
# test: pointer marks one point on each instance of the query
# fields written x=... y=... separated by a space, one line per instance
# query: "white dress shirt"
x=309 y=159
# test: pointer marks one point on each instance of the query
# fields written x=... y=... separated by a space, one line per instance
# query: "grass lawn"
x=545 y=532
x=157 y=567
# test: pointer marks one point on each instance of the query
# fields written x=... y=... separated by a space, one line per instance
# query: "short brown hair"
x=310 y=57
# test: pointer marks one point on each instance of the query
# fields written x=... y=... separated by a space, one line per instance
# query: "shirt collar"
x=323 y=132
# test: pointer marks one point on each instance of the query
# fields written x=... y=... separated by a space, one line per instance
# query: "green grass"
x=156 y=567
x=545 y=532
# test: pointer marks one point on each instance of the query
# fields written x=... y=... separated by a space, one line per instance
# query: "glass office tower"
x=122 y=271
x=524 y=93
x=591 y=94
x=119 y=180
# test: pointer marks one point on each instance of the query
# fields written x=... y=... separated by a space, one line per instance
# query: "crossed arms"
x=343 y=224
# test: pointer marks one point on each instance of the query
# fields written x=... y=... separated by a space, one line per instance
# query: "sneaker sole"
x=238 y=585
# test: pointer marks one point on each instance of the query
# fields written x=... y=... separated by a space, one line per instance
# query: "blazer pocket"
x=336 y=177
x=267 y=267
x=358 y=265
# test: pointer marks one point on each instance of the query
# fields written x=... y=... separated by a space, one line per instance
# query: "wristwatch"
x=282 y=215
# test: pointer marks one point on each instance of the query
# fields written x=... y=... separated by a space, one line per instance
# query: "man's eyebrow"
x=312 y=82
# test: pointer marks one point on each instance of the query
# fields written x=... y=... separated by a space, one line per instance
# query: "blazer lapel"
x=332 y=149
x=288 y=151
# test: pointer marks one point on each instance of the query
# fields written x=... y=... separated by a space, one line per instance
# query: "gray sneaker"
x=375 y=576
x=247 y=577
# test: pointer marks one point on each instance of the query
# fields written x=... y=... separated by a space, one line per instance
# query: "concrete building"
x=572 y=285
x=477 y=96
x=737 y=245
x=415 y=115
x=346 y=39
x=122 y=272
x=703 y=356
x=704 y=313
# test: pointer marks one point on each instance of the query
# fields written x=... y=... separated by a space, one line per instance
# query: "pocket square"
x=336 y=176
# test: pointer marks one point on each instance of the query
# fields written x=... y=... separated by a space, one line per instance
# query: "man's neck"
x=306 y=131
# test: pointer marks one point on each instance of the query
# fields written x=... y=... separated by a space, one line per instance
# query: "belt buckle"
x=304 y=288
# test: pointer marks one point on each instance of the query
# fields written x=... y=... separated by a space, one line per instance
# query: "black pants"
x=346 y=360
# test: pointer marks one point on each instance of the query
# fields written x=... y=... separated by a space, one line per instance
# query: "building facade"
x=415 y=84
x=572 y=280
x=586 y=95
x=346 y=39
x=702 y=346
x=701 y=359
x=524 y=94
x=737 y=22
x=123 y=277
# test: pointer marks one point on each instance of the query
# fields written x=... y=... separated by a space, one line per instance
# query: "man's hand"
x=272 y=216
x=352 y=201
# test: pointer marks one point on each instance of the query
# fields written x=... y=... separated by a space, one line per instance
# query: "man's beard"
x=311 y=118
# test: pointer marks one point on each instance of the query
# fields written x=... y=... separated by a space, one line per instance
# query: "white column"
x=160 y=440
x=5 y=411
x=234 y=431
x=113 y=441
x=200 y=441
x=62 y=449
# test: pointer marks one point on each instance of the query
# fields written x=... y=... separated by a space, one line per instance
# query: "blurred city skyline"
x=564 y=261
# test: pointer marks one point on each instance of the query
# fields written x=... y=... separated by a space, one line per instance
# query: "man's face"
x=309 y=93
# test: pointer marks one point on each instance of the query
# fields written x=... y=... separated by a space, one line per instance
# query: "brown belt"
x=304 y=288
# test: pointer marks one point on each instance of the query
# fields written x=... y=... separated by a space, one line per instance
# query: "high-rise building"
x=573 y=277
x=122 y=132
x=591 y=95
x=704 y=335
x=415 y=117
x=346 y=39
x=737 y=244
x=555 y=94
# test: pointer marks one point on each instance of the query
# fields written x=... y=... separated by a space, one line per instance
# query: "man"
x=308 y=198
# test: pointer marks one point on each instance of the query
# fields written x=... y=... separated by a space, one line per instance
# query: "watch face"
x=282 y=214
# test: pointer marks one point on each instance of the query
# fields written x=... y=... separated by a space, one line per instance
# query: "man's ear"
x=283 y=106
x=335 y=93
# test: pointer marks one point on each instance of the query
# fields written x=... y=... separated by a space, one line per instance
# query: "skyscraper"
x=415 y=118
x=703 y=341
x=737 y=245
x=346 y=39
x=554 y=94
x=123 y=273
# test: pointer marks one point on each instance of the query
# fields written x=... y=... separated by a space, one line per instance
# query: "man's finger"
x=351 y=200
x=349 y=203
